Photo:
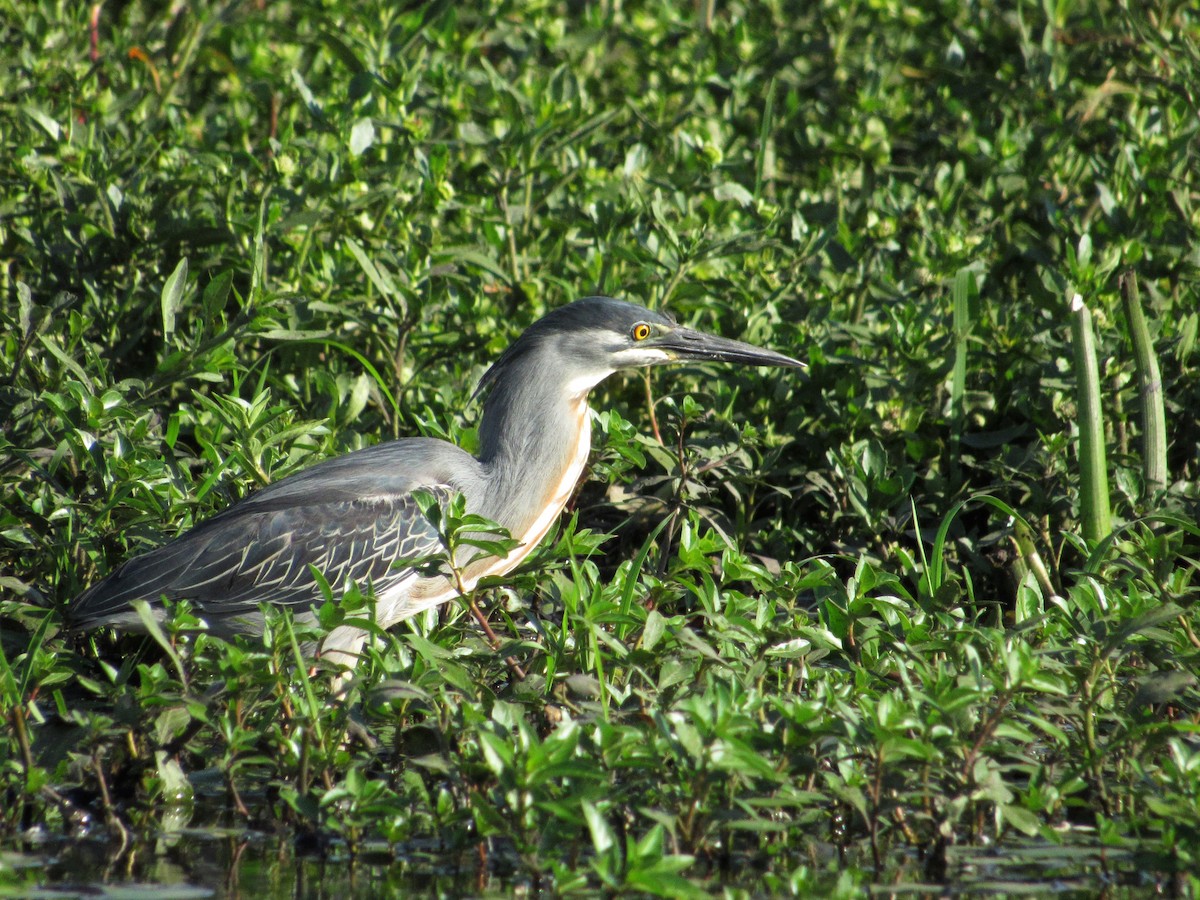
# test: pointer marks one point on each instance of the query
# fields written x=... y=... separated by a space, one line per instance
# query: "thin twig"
x=510 y=661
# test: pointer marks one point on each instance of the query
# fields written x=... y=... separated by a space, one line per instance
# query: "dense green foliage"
x=853 y=609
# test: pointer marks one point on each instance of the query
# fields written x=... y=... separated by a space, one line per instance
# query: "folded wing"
x=351 y=518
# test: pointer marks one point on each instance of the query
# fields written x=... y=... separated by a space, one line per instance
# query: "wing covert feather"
x=264 y=557
x=351 y=517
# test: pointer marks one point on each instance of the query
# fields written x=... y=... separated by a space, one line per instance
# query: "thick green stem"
x=1150 y=392
x=1093 y=470
x=964 y=287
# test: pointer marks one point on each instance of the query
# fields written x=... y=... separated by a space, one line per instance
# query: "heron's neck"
x=534 y=438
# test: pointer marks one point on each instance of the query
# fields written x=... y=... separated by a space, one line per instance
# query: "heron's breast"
x=409 y=595
x=558 y=491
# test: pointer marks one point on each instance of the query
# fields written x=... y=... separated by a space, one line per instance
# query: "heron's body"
x=353 y=516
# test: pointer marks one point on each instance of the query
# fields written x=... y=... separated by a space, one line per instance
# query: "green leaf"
x=172 y=298
x=362 y=136
x=602 y=836
x=47 y=124
x=733 y=192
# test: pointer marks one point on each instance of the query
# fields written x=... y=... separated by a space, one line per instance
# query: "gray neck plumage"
x=528 y=435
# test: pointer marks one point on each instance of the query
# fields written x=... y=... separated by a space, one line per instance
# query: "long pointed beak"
x=688 y=344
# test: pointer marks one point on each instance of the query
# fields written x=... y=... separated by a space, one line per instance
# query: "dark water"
x=244 y=865
x=199 y=863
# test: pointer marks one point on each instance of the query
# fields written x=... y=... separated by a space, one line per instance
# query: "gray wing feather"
x=351 y=517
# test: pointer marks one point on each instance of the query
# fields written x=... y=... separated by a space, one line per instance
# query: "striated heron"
x=353 y=516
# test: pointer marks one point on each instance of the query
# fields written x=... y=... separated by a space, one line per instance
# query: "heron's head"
x=584 y=342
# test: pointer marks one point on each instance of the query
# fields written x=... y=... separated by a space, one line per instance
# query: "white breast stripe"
x=405 y=598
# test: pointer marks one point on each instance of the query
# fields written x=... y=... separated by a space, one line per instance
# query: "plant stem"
x=964 y=286
x=1150 y=392
x=1093 y=471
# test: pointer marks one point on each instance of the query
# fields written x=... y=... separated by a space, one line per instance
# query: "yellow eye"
x=640 y=331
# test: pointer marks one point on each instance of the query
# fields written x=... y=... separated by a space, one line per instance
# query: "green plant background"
x=856 y=609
